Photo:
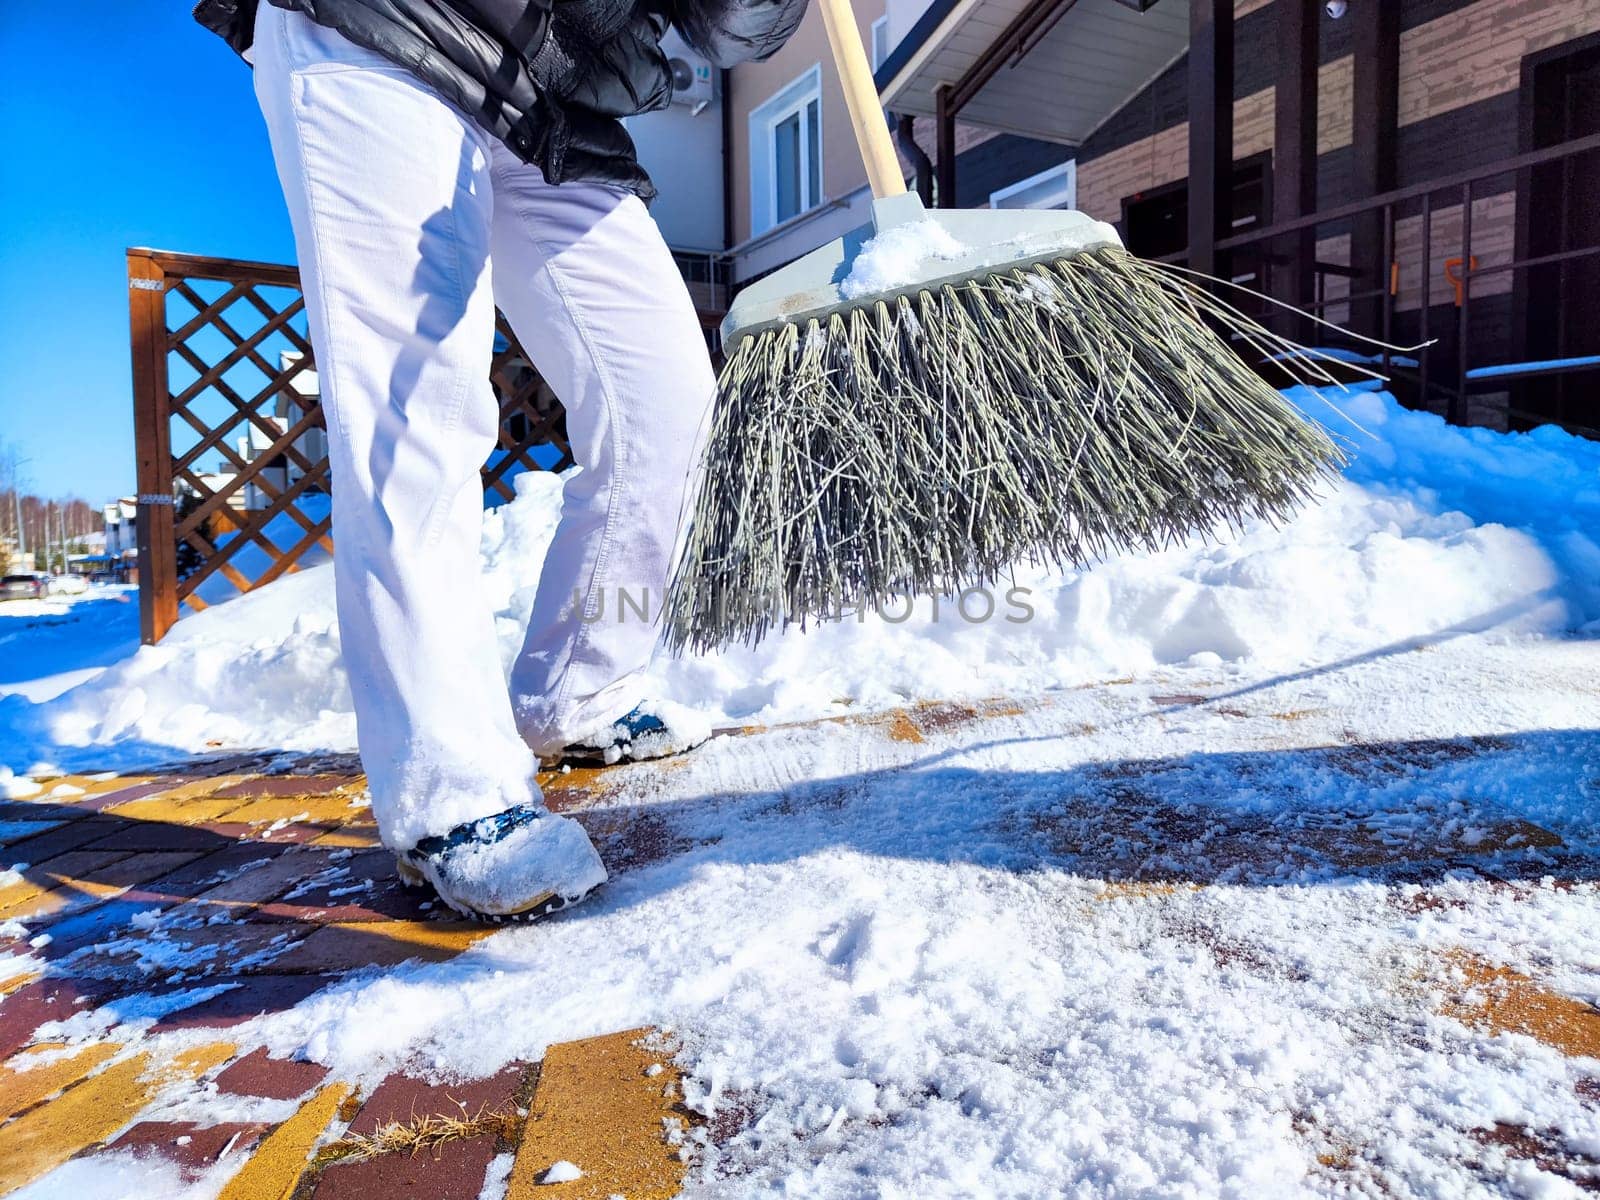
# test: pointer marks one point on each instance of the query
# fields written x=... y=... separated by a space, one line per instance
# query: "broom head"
x=1013 y=387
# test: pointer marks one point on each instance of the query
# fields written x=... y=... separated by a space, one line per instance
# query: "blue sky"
x=127 y=126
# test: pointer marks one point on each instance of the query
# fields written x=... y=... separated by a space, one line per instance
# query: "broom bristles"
x=1056 y=413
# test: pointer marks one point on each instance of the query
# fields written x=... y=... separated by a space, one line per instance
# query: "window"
x=880 y=41
x=786 y=153
x=1056 y=187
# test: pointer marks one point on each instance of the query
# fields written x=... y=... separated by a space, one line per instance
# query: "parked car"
x=68 y=585
x=22 y=587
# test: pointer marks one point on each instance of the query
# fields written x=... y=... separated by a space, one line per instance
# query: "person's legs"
x=587 y=282
x=389 y=191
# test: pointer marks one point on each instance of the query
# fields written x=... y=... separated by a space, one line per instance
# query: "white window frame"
x=765 y=118
x=883 y=24
x=1064 y=195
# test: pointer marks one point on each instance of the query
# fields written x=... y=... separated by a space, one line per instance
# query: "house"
x=1302 y=148
x=121 y=550
x=1296 y=147
x=284 y=469
x=757 y=165
x=17 y=562
x=682 y=146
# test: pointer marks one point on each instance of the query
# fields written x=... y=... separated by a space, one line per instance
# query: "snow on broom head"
x=1058 y=412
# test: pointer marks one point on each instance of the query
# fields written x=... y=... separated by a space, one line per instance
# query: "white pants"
x=411 y=224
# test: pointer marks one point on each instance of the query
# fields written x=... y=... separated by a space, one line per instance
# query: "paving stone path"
x=239 y=885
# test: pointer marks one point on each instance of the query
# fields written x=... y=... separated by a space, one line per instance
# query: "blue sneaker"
x=518 y=865
x=654 y=729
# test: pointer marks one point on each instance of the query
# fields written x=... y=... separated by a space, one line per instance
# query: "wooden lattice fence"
x=229 y=434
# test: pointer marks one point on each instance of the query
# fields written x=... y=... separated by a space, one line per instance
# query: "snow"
x=1432 y=528
x=120 y=1175
x=496 y=1177
x=878 y=954
x=898 y=256
x=561 y=1172
x=681 y=728
x=50 y=645
x=16 y=787
x=1089 y=944
x=549 y=854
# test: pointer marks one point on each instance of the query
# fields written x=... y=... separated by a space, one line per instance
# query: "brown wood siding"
x=1459 y=76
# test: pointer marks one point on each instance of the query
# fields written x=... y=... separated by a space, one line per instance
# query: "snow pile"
x=898 y=257
x=16 y=787
x=1433 y=531
x=561 y=1172
x=50 y=645
x=1070 y=949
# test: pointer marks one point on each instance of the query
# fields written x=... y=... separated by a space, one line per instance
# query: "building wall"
x=683 y=153
x=752 y=84
x=1468 y=56
x=1460 y=74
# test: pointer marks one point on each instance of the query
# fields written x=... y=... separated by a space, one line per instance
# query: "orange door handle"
x=1452 y=272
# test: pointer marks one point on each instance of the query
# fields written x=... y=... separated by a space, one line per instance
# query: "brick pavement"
x=236 y=886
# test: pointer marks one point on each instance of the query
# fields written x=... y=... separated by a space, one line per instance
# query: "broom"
x=918 y=412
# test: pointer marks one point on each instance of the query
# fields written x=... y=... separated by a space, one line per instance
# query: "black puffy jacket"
x=550 y=78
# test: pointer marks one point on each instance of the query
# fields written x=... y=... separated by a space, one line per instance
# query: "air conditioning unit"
x=694 y=80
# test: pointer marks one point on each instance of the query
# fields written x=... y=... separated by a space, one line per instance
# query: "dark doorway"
x=1156 y=223
x=1558 y=211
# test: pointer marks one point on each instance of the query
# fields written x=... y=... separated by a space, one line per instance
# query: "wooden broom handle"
x=861 y=98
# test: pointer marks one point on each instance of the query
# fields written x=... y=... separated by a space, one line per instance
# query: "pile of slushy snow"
x=1430 y=528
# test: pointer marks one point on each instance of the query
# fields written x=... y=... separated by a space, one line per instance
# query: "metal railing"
x=1450 y=197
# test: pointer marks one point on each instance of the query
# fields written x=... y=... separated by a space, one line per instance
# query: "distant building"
x=682 y=146
x=282 y=471
x=119 y=557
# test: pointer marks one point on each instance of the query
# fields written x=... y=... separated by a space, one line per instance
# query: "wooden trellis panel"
x=218 y=345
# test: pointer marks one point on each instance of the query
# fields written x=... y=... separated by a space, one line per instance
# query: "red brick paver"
x=258 y=1074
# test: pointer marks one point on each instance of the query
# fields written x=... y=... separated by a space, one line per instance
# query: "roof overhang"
x=1051 y=69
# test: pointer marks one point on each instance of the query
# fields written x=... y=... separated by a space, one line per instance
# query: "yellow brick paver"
x=901 y=728
x=44 y=1137
x=13 y=983
x=200 y=787
x=1501 y=1000
x=76 y=787
x=598 y=1106
x=356 y=836
x=346 y=945
x=176 y=810
x=318 y=809
x=37 y=1072
x=274 y=1170
x=51 y=889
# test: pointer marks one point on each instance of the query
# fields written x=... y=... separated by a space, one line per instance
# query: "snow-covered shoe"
x=518 y=864
x=654 y=729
